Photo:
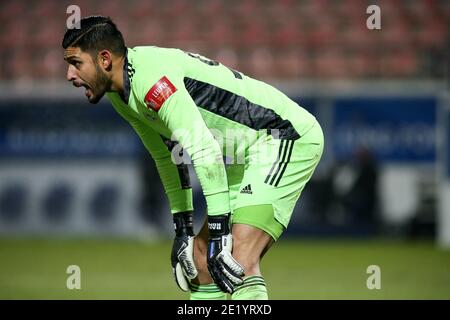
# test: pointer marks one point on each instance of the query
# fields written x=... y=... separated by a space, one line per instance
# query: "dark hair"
x=96 y=33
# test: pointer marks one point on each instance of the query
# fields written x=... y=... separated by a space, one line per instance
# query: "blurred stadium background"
x=76 y=186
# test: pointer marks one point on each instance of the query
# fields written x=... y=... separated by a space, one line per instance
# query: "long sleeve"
x=175 y=179
x=183 y=118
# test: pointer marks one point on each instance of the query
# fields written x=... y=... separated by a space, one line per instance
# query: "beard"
x=101 y=84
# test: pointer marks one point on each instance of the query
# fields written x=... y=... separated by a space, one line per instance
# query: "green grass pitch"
x=294 y=269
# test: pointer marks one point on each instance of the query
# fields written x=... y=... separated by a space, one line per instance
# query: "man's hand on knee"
x=182 y=256
x=224 y=269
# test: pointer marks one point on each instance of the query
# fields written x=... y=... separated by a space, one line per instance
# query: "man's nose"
x=71 y=73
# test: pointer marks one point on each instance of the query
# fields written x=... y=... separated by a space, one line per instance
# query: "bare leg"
x=250 y=244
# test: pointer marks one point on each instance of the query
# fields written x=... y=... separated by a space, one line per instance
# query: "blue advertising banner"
x=48 y=128
x=393 y=129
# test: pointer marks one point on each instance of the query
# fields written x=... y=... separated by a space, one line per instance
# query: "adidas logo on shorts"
x=247 y=189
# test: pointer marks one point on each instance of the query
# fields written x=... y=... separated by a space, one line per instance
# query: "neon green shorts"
x=264 y=190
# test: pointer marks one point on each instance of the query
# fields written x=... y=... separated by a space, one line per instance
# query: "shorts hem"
x=274 y=234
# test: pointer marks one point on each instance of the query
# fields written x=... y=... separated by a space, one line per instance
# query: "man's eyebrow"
x=70 y=53
x=71 y=59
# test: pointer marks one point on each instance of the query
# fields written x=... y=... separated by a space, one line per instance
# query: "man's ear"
x=105 y=59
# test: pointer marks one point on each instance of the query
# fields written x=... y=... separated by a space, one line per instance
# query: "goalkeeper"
x=253 y=150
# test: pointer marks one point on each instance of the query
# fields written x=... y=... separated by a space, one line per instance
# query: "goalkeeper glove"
x=182 y=256
x=224 y=269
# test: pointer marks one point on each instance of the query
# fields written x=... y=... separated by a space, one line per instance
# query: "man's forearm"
x=215 y=188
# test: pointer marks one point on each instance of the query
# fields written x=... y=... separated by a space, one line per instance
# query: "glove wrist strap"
x=183 y=223
x=218 y=225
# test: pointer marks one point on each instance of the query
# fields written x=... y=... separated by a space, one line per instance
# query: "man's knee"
x=250 y=264
x=249 y=244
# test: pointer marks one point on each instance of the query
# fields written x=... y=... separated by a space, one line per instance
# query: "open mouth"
x=88 y=91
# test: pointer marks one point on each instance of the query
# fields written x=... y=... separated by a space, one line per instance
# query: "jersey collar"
x=128 y=72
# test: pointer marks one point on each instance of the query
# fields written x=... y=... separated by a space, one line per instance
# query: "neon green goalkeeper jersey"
x=172 y=95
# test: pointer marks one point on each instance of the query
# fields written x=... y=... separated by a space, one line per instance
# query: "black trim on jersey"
x=285 y=148
x=285 y=164
x=183 y=173
x=280 y=150
x=237 y=75
x=183 y=169
x=238 y=109
x=127 y=74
